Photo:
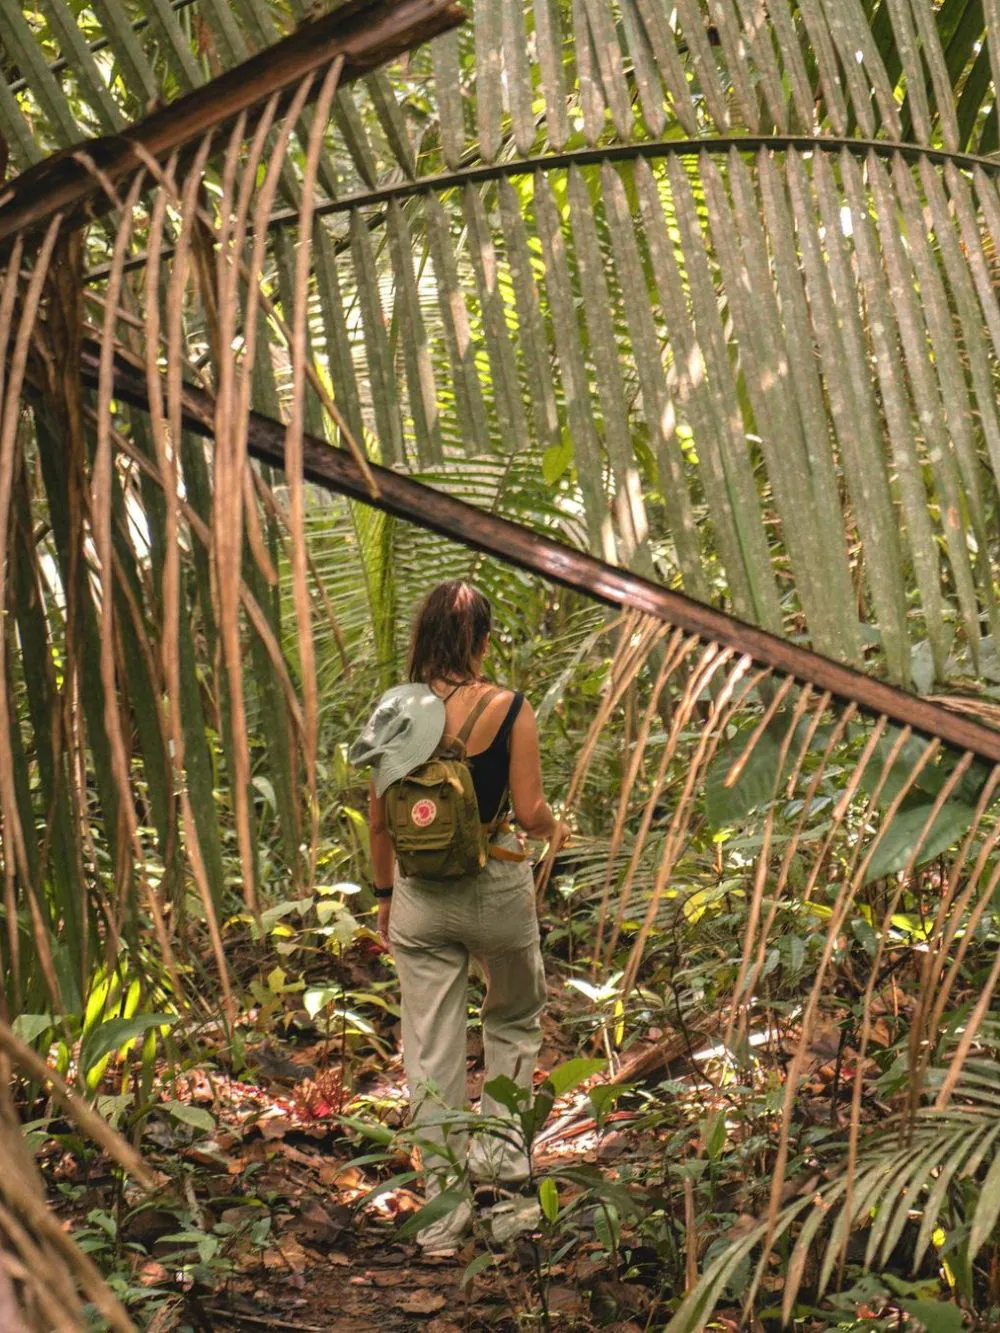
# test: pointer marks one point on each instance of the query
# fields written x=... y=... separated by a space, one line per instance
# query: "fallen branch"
x=260 y=1321
x=650 y=1061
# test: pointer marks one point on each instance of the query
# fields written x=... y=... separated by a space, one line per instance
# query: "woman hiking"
x=434 y=924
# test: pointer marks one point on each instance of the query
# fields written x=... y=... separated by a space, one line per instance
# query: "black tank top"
x=490 y=768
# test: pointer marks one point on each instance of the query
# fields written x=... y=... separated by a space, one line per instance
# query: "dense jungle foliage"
x=707 y=289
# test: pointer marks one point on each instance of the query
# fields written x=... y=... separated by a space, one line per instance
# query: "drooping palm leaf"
x=800 y=419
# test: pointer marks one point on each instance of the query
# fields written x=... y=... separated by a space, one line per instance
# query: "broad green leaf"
x=368 y=1129
x=607 y=1226
x=481 y=1262
x=603 y=1098
x=896 y=847
x=115 y=1033
x=319 y=997
x=274 y=914
x=565 y=1077
x=535 y=1115
x=935 y=1316
x=195 y=1116
x=266 y=789
x=912 y=749
x=442 y=1205
x=713 y=1134
x=114 y=1107
x=345 y=928
x=29 y=1027
x=987 y=1208
x=729 y=806
x=557 y=460
x=548 y=1197
x=505 y=1091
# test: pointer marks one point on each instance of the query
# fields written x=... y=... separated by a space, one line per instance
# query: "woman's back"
x=459 y=703
x=518 y=764
x=488 y=748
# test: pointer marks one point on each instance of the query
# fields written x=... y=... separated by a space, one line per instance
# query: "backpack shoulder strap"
x=480 y=707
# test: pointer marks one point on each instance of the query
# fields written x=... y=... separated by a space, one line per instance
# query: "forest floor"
x=270 y=1217
x=334 y=1267
x=286 y=1190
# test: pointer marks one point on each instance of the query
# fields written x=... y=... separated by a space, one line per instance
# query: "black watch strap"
x=382 y=893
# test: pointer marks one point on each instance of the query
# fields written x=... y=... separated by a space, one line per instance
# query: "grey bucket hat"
x=401 y=734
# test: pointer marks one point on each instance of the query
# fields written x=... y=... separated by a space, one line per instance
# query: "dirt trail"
x=311 y=1249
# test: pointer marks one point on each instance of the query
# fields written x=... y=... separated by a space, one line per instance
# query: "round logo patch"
x=424 y=813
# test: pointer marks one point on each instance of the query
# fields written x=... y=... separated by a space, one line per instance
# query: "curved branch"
x=585 y=157
x=630 y=152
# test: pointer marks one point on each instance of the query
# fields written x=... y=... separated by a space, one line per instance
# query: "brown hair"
x=449 y=632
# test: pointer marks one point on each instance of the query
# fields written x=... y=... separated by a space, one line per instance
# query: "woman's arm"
x=531 y=810
x=383 y=858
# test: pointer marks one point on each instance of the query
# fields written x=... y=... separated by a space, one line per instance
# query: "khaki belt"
x=505 y=853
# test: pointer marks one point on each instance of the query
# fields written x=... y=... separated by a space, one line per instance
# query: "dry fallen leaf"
x=296 y=1155
x=743 y=1225
x=244 y=1212
x=420 y=1302
x=392 y=1278
x=564 y=1299
x=880 y=1034
x=319 y=1224
x=342 y=1177
x=396 y=1203
x=166 y=1317
x=289 y=1255
x=194 y=1086
x=613 y=1145
x=276 y=1127
x=207 y=1153
x=151 y=1273
x=825 y=1042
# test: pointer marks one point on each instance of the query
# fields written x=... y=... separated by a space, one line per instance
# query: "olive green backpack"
x=432 y=814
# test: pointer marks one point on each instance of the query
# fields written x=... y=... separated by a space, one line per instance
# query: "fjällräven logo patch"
x=424 y=813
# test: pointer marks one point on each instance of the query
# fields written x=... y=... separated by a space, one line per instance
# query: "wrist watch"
x=382 y=893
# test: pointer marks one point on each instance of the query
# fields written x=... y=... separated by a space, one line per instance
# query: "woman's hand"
x=560 y=835
x=384 y=908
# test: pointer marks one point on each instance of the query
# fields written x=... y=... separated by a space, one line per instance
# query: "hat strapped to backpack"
x=404 y=731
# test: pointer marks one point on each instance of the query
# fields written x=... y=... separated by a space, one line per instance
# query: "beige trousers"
x=436 y=930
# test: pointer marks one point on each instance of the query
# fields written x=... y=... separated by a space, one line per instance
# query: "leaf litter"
x=297 y=1206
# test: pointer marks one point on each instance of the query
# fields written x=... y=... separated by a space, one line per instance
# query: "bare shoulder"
x=496 y=698
x=501 y=696
x=525 y=721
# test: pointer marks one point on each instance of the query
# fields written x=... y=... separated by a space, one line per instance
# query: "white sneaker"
x=441 y=1239
x=495 y=1162
x=514 y=1217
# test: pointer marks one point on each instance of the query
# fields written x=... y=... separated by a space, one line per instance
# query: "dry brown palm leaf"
x=52 y=1278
